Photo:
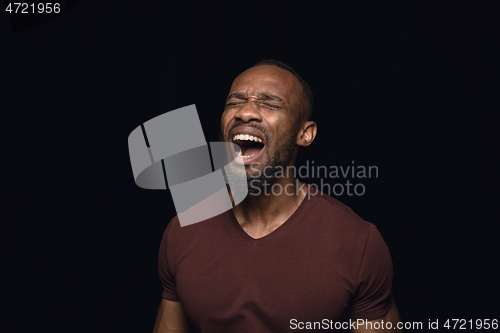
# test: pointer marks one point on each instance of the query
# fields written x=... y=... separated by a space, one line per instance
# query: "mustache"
x=252 y=125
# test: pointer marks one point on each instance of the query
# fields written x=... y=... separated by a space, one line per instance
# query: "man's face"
x=264 y=103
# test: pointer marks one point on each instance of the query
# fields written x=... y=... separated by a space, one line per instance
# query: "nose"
x=249 y=112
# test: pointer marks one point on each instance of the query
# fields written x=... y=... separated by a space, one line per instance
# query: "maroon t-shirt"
x=323 y=263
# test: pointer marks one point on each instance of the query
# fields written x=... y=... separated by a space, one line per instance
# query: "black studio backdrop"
x=399 y=85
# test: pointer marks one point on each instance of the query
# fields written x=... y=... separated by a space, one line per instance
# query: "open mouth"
x=251 y=147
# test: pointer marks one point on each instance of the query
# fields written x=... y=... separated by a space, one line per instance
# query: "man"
x=280 y=261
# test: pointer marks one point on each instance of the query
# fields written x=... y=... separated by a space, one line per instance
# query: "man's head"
x=267 y=115
x=307 y=96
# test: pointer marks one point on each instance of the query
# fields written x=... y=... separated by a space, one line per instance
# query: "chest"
x=273 y=282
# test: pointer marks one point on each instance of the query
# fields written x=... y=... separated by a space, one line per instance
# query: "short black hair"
x=307 y=92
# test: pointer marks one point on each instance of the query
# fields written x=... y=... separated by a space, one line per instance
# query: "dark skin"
x=270 y=98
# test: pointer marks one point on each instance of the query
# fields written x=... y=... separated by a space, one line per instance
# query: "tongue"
x=250 y=151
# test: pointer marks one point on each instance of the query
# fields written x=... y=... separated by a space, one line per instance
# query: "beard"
x=258 y=176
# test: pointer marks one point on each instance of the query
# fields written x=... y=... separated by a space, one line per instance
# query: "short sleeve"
x=373 y=296
x=167 y=278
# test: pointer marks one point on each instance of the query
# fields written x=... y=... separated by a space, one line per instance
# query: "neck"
x=261 y=214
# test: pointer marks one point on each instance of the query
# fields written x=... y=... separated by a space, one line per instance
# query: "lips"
x=251 y=143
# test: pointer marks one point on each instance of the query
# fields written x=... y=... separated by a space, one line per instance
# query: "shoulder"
x=360 y=237
x=197 y=233
x=332 y=213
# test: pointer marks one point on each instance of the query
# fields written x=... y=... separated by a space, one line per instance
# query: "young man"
x=280 y=261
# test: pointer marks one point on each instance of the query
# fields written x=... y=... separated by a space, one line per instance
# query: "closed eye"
x=271 y=106
x=262 y=104
x=234 y=103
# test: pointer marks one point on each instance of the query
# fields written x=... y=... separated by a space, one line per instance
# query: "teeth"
x=239 y=154
x=246 y=137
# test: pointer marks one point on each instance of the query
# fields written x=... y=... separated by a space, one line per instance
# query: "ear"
x=307 y=133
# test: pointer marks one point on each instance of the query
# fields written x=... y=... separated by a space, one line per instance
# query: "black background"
x=404 y=85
